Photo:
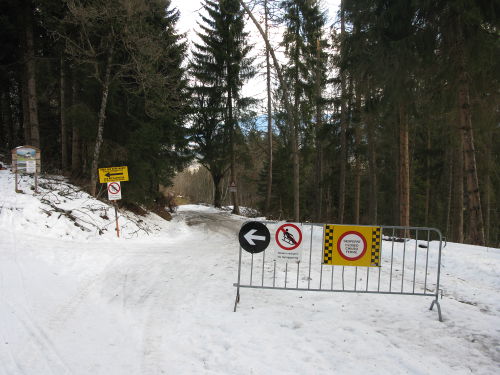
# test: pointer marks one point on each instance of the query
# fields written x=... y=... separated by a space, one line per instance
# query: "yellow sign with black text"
x=347 y=245
x=113 y=174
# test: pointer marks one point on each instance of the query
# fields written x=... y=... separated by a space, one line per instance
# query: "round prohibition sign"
x=114 y=188
x=288 y=236
x=351 y=245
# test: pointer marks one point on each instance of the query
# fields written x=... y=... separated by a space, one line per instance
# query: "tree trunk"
x=30 y=71
x=458 y=176
x=343 y=127
x=475 y=227
x=234 y=194
x=289 y=111
x=7 y=139
x=372 y=165
x=319 y=143
x=26 y=131
x=427 y=178
x=269 y=118
x=404 y=168
x=75 y=138
x=296 y=171
x=357 y=145
x=450 y=159
x=295 y=141
x=487 y=190
x=217 y=190
x=100 y=123
x=62 y=112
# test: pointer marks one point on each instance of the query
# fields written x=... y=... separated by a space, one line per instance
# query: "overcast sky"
x=256 y=87
x=189 y=12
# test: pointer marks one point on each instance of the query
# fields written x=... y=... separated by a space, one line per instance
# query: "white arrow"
x=250 y=237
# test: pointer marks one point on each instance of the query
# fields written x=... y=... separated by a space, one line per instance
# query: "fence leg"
x=237 y=299
x=435 y=302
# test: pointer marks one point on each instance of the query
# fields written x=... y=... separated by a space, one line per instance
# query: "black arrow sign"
x=113 y=174
x=254 y=237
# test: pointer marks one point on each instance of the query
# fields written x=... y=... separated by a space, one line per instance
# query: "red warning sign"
x=114 y=191
x=288 y=236
x=351 y=245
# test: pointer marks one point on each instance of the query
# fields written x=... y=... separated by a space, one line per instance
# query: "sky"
x=189 y=12
x=256 y=87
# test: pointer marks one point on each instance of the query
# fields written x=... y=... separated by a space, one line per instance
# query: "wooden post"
x=116 y=218
x=15 y=169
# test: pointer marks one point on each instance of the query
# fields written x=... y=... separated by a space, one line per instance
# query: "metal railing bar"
x=310 y=259
x=355 y=278
x=286 y=272
x=274 y=275
x=336 y=290
x=263 y=266
x=439 y=264
x=427 y=259
x=415 y=261
x=379 y=270
x=343 y=285
x=321 y=275
x=403 y=269
x=381 y=226
x=298 y=272
x=251 y=271
x=331 y=282
x=392 y=258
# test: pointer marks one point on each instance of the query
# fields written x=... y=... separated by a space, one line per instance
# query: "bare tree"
x=289 y=113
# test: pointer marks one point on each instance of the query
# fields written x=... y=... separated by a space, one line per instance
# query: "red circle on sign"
x=295 y=243
x=339 y=242
x=116 y=186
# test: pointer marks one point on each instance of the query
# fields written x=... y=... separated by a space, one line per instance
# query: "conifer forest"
x=378 y=112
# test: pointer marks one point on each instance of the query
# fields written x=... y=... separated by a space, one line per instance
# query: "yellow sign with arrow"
x=113 y=174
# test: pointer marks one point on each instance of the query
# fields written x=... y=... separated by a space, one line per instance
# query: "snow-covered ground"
x=159 y=300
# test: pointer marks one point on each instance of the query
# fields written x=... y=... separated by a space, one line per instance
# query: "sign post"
x=26 y=158
x=112 y=176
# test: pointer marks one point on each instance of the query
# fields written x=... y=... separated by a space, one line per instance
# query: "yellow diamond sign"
x=113 y=174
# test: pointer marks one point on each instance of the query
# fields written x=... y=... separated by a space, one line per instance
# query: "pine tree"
x=306 y=75
x=220 y=66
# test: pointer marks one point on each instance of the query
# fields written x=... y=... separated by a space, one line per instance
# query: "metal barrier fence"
x=406 y=266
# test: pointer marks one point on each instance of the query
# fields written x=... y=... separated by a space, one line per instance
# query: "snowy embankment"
x=159 y=300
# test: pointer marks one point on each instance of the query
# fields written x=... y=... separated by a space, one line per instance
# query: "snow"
x=160 y=299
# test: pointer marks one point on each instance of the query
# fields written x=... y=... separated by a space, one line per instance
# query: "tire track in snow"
x=40 y=342
x=87 y=286
x=179 y=292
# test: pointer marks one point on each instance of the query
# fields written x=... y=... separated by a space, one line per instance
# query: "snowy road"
x=114 y=308
x=162 y=304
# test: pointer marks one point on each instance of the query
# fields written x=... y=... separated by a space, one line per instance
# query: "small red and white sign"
x=114 y=191
x=232 y=187
x=288 y=237
x=351 y=245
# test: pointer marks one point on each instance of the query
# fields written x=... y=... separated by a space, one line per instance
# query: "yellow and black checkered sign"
x=347 y=245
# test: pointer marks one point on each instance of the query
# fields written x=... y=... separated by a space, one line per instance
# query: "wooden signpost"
x=112 y=177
